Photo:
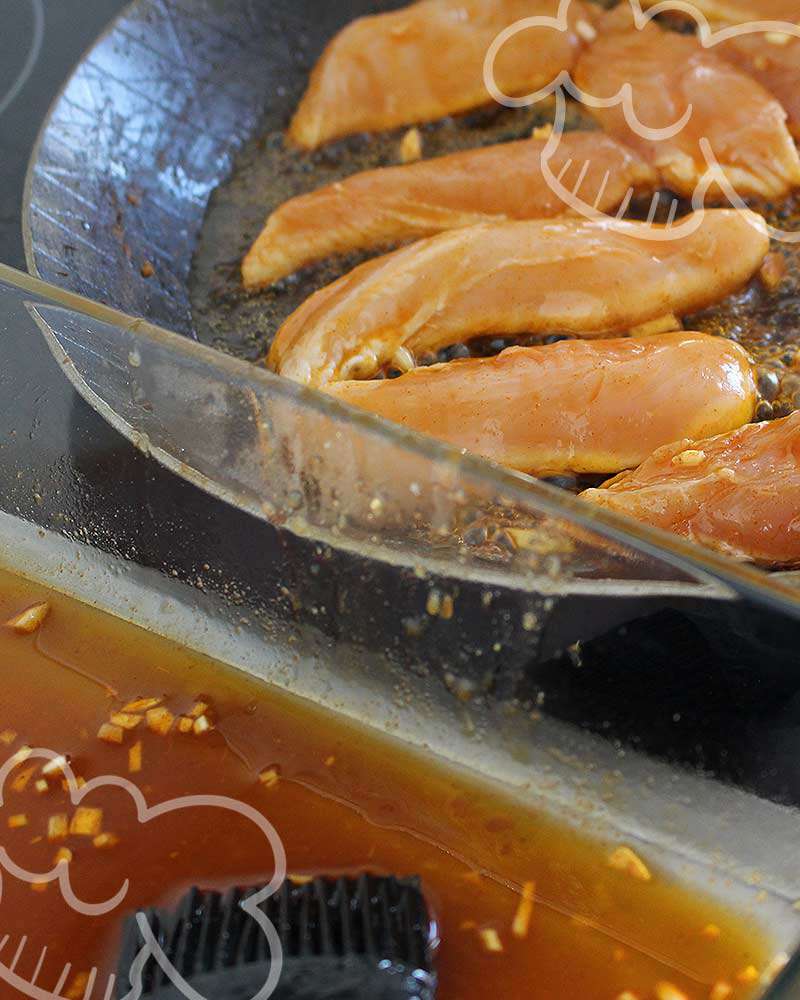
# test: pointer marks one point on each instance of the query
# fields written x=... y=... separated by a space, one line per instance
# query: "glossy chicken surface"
x=738 y=493
x=769 y=55
x=675 y=81
x=573 y=275
x=774 y=61
x=573 y=406
x=393 y=204
x=426 y=61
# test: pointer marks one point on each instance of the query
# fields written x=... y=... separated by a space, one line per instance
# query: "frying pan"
x=147 y=128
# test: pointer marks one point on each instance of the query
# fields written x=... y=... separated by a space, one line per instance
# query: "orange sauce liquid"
x=347 y=800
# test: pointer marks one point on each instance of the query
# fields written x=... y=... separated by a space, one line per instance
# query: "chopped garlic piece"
x=111 y=734
x=141 y=705
x=269 y=777
x=625 y=860
x=56 y=765
x=135 y=758
x=202 y=726
x=41 y=786
x=491 y=939
x=105 y=840
x=522 y=918
x=720 y=990
x=58 y=827
x=160 y=720
x=542 y=131
x=439 y=604
x=749 y=974
x=200 y=708
x=689 y=458
x=17 y=821
x=126 y=720
x=411 y=146
x=30 y=619
x=585 y=30
x=668 y=991
x=777 y=37
x=185 y=724
x=403 y=360
x=663 y=324
x=86 y=822
x=63 y=854
x=680 y=165
x=7 y=737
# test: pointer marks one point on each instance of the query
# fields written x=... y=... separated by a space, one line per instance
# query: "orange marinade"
x=342 y=799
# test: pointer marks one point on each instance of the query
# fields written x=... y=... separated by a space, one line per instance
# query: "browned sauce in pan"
x=342 y=800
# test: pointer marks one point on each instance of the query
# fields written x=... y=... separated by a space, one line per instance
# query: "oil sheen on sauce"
x=341 y=799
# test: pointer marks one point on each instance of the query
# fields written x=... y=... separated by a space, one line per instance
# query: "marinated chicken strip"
x=738 y=493
x=743 y=124
x=588 y=277
x=426 y=61
x=771 y=57
x=774 y=60
x=573 y=406
x=396 y=204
